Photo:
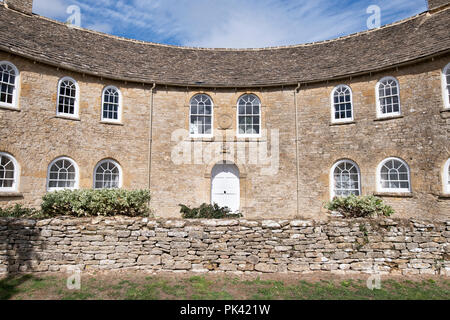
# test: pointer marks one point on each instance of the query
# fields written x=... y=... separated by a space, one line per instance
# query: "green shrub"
x=208 y=211
x=104 y=202
x=355 y=207
x=18 y=211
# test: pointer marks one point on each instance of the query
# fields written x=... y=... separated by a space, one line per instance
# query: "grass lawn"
x=137 y=286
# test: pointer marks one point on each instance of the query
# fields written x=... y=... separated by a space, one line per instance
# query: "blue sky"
x=229 y=23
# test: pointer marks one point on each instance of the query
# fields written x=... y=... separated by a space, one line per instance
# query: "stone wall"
x=433 y=4
x=420 y=137
x=24 y=6
x=268 y=246
x=35 y=136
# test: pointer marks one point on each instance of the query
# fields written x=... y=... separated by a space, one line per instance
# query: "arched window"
x=107 y=175
x=446 y=86
x=345 y=179
x=446 y=179
x=9 y=172
x=388 y=97
x=393 y=176
x=62 y=174
x=68 y=96
x=111 y=104
x=201 y=116
x=9 y=82
x=342 y=104
x=249 y=115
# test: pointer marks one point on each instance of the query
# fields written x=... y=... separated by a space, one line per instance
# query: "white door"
x=225 y=186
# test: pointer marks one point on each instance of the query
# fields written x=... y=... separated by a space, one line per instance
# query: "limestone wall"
x=386 y=246
x=35 y=136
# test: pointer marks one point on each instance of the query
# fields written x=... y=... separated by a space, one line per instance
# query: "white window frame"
x=198 y=135
x=445 y=87
x=393 y=190
x=15 y=186
x=333 y=110
x=446 y=177
x=119 y=110
x=77 y=175
x=14 y=104
x=75 y=115
x=247 y=135
x=377 y=91
x=102 y=162
x=332 y=181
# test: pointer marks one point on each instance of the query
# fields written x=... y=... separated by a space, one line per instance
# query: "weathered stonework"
x=309 y=144
x=35 y=137
x=112 y=57
x=435 y=4
x=267 y=246
x=24 y=6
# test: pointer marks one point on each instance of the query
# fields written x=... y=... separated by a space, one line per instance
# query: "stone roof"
x=90 y=52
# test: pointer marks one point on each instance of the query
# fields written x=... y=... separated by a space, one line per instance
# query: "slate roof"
x=81 y=50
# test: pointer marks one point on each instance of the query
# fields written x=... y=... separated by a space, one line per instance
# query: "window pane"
x=7 y=172
x=62 y=174
x=67 y=93
x=394 y=175
x=107 y=176
x=346 y=179
x=249 y=105
x=201 y=114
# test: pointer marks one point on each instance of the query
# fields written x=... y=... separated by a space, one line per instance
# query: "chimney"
x=24 y=6
x=436 y=4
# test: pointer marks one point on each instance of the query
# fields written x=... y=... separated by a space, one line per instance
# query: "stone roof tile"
x=90 y=52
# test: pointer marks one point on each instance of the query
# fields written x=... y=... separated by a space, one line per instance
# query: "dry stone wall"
x=266 y=246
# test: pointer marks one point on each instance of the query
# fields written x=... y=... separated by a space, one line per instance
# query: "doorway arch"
x=225 y=186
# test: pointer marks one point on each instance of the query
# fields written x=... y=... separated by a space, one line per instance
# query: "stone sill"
x=112 y=123
x=235 y=139
x=66 y=118
x=388 y=118
x=445 y=113
x=249 y=139
x=202 y=139
x=10 y=108
x=343 y=123
x=394 y=194
x=444 y=196
x=11 y=194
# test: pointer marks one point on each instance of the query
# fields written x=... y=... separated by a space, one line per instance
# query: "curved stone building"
x=272 y=132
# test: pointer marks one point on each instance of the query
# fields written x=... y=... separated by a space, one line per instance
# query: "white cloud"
x=101 y=27
x=231 y=23
x=50 y=8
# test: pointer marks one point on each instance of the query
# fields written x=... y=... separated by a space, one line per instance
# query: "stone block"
x=149 y=260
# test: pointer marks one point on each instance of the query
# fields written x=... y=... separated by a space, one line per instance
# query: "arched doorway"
x=225 y=187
